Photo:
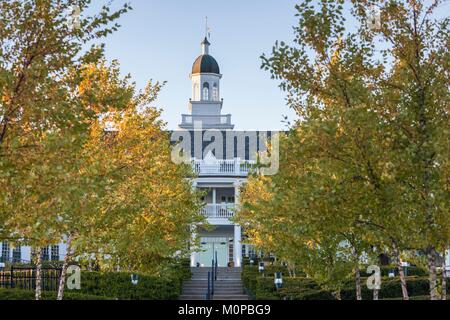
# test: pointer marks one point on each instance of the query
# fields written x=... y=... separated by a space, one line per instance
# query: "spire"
x=205 y=46
x=205 y=42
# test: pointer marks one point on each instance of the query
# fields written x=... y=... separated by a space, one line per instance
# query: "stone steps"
x=228 y=285
x=216 y=297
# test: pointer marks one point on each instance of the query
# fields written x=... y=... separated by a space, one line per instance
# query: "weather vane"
x=207 y=29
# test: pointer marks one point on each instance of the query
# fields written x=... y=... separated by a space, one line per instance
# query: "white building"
x=220 y=169
x=222 y=159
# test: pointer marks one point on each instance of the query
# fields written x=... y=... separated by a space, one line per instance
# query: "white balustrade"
x=234 y=167
x=218 y=210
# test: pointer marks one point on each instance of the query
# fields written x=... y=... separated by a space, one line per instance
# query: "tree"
x=130 y=207
x=372 y=144
x=41 y=118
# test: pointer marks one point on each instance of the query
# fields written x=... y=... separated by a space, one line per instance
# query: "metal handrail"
x=212 y=277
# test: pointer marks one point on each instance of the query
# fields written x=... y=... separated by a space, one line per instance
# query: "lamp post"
x=278 y=280
x=134 y=279
x=261 y=267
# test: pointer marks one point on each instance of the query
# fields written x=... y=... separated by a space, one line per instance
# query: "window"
x=215 y=92
x=196 y=94
x=55 y=253
x=206 y=91
x=45 y=254
x=17 y=254
x=5 y=252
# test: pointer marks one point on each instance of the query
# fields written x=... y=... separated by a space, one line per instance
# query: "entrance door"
x=210 y=245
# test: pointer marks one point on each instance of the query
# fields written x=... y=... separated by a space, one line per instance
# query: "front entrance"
x=209 y=245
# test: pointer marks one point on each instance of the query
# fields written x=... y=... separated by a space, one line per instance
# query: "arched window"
x=196 y=93
x=206 y=91
x=215 y=92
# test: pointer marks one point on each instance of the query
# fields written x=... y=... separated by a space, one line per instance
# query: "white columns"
x=237 y=245
x=447 y=262
x=214 y=193
x=194 y=254
x=237 y=168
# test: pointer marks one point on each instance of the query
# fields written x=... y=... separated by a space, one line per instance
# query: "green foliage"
x=301 y=288
x=385 y=270
x=364 y=168
x=115 y=285
x=17 y=294
x=118 y=286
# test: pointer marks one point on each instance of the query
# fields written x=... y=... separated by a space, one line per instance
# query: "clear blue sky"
x=160 y=40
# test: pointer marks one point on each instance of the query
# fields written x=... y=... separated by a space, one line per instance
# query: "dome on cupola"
x=205 y=63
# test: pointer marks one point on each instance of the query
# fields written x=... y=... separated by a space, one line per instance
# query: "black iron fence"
x=25 y=278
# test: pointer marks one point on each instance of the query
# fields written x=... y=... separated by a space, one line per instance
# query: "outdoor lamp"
x=134 y=279
x=278 y=280
x=405 y=266
x=261 y=267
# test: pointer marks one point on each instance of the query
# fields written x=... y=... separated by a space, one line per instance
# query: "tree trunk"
x=62 y=280
x=357 y=275
x=444 y=279
x=431 y=254
x=375 y=294
x=38 y=290
x=337 y=295
x=358 y=283
x=401 y=274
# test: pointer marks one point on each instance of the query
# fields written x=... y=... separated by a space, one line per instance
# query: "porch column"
x=237 y=245
x=447 y=262
x=237 y=166
x=214 y=193
x=194 y=254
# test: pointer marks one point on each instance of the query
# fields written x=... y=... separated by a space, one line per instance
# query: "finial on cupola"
x=205 y=42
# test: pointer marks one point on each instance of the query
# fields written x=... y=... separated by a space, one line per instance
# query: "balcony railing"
x=234 y=167
x=221 y=211
x=223 y=119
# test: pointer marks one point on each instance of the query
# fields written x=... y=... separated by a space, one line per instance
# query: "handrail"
x=212 y=277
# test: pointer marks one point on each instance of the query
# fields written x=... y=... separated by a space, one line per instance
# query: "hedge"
x=411 y=271
x=117 y=285
x=390 y=288
x=301 y=288
x=18 y=294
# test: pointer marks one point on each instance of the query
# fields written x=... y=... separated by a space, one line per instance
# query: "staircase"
x=228 y=285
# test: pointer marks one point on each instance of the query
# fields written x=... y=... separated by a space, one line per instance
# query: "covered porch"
x=223 y=240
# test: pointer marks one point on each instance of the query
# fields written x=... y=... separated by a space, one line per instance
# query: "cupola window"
x=206 y=91
x=215 y=92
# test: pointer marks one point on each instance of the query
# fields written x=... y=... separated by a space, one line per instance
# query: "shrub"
x=301 y=288
x=411 y=271
x=17 y=294
x=118 y=285
x=298 y=288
